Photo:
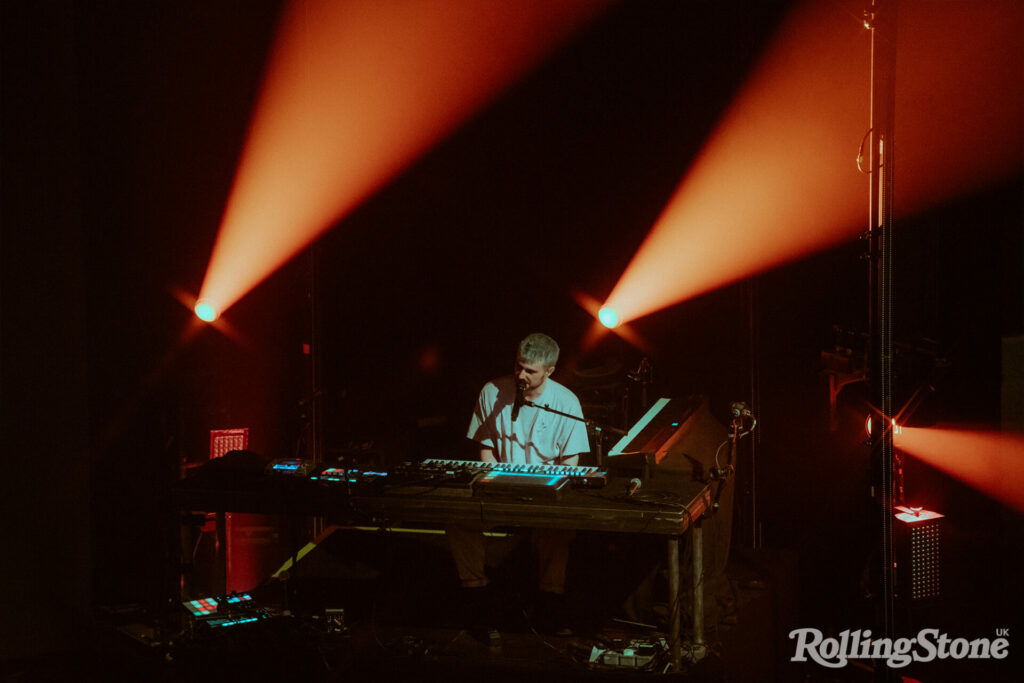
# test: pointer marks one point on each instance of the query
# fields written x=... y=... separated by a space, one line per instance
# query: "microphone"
x=721 y=473
x=738 y=408
x=633 y=485
x=520 y=400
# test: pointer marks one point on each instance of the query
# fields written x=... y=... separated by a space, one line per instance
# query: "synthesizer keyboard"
x=455 y=478
x=582 y=476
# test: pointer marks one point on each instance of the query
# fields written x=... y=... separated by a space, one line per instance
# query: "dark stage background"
x=122 y=125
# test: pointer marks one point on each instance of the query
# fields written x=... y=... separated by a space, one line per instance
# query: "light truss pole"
x=880 y=18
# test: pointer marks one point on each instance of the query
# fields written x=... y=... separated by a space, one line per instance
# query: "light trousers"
x=469 y=549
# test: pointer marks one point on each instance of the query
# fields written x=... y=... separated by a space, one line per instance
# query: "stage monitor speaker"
x=700 y=444
x=692 y=449
x=678 y=439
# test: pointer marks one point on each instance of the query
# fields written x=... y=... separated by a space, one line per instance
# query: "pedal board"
x=636 y=654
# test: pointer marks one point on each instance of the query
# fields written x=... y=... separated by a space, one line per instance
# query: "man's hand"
x=570 y=460
x=487 y=455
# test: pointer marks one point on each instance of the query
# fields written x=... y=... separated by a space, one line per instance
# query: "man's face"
x=530 y=375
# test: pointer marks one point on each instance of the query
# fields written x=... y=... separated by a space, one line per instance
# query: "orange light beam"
x=777 y=180
x=355 y=91
x=990 y=462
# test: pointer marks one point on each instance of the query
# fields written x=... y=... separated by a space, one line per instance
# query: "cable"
x=860 y=153
x=719 y=450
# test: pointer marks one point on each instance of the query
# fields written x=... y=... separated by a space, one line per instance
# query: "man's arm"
x=570 y=460
x=487 y=454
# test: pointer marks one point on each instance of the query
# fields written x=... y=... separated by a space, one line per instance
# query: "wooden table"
x=665 y=506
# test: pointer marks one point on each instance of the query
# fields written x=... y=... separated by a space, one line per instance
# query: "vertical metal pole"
x=673 y=602
x=754 y=343
x=220 y=582
x=315 y=400
x=315 y=421
x=698 y=585
x=315 y=445
x=882 y=23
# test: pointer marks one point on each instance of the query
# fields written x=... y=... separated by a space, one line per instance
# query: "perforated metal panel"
x=918 y=553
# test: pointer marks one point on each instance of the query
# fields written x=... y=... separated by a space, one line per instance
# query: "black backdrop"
x=122 y=123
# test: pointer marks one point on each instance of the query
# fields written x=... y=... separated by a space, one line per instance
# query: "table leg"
x=674 y=598
x=221 y=575
x=698 y=585
x=673 y=603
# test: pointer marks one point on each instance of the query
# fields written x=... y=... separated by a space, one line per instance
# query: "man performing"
x=508 y=430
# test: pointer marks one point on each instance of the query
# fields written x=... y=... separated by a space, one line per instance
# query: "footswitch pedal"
x=638 y=654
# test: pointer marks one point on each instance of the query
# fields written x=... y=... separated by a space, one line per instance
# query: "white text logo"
x=928 y=646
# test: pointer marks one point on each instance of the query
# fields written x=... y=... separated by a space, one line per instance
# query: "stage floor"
x=397 y=627
x=402 y=621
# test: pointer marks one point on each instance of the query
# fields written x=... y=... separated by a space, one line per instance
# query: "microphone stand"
x=743 y=423
x=598 y=428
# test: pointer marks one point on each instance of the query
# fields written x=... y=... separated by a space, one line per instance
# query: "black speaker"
x=699 y=446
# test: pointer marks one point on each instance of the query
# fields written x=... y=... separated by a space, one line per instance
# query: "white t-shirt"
x=537 y=436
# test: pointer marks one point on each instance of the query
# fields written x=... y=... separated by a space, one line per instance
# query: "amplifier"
x=918 y=553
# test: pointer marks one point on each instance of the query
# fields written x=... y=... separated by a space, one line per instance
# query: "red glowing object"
x=226 y=440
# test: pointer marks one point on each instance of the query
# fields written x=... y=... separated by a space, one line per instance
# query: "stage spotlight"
x=774 y=181
x=206 y=311
x=355 y=92
x=600 y=327
x=987 y=460
x=896 y=429
x=608 y=317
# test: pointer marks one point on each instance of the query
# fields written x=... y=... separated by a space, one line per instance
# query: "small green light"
x=608 y=317
x=205 y=311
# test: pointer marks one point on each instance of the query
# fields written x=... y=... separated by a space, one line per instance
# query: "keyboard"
x=582 y=476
